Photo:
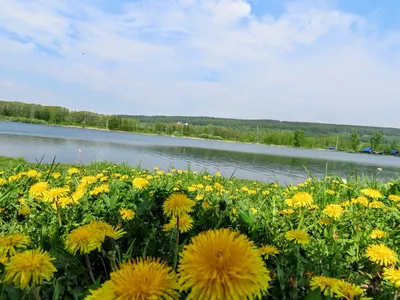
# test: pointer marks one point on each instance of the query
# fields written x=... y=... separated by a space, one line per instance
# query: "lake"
x=257 y=162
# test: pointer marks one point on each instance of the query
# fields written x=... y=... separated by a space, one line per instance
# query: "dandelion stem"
x=36 y=293
x=58 y=214
x=176 y=243
x=89 y=268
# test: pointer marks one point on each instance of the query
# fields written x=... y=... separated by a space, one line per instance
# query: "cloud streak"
x=313 y=62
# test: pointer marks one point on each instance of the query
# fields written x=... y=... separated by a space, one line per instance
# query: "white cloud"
x=312 y=63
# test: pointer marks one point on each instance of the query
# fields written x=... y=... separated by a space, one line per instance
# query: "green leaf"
x=314 y=295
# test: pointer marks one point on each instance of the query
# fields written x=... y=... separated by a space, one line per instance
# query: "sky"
x=330 y=61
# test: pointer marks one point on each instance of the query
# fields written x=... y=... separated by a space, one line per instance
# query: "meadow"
x=108 y=231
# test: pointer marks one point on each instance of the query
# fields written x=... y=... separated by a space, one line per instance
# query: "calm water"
x=266 y=163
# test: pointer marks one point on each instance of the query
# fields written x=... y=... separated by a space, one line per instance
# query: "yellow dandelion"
x=56 y=175
x=178 y=205
x=347 y=290
x=105 y=292
x=297 y=236
x=104 y=188
x=392 y=275
x=38 y=189
x=334 y=211
x=102 y=229
x=127 y=214
x=54 y=194
x=205 y=205
x=72 y=171
x=29 y=268
x=394 y=198
x=140 y=183
x=77 y=195
x=33 y=174
x=24 y=210
x=199 y=197
x=268 y=250
x=325 y=221
x=376 y=204
x=88 y=180
x=253 y=211
x=222 y=264
x=381 y=255
x=2 y=181
x=147 y=278
x=11 y=242
x=372 y=193
x=286 y=211
x=331 y=192
x=362 y=200
x=82 y=239
x=327 y=285
x=185 y=224
x=3 y=260
x=302 y=199
x=377 y=234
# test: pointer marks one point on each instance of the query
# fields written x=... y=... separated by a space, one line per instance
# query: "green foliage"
x=375 y=139
x=355 y=141
x=258 y=210
x=299 y=138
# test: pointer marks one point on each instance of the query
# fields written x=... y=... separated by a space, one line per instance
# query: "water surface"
x=257 y=162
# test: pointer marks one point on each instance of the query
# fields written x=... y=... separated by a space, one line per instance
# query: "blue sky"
x=330 y=61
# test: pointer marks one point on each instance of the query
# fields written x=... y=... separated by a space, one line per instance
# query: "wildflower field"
x=112 y=232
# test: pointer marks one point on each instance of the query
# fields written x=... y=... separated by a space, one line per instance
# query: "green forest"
x=268 y=132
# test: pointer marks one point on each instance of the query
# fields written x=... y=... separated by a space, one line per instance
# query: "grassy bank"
x=101 y=224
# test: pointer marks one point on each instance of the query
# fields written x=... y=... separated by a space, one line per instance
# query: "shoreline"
x=190 y=137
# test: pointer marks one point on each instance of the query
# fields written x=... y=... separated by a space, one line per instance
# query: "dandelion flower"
x=222 y=264
x=24 y=210
x=362 y=200
x=347 y=290
x=286 y=211
x=127 y=214
x=147 y=278
x=325 y=284
x=102 y=229
x=381 y=255
x=372 y=193
x=376 y=204
x=54 y=194
x=9 y=243
x=268 y=250
x=82 y=239
x=205 y=205
x=394 y=198
x=104 y=188
x=77 y=195
x=140 y=183
x=178 y=205
x=38 y=189
x=392 y=275
x=302 y=199
x=377 y=234
x=298 y=236
x=105 y=292
x=29 y=268
x=88 y=180
x=185 y=224
x=3 y=260
x=334 y=211
x=72 y=171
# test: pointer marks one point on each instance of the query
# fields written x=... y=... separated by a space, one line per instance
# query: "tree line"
x=269 y=132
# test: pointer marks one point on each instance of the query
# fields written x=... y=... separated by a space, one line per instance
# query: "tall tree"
x=299 y=138
x=375 y=139
x=355 y=141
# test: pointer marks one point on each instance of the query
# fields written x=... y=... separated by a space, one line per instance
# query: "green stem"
x=176 y=244
x=301 y=218
x=36 y=293
x=89 y=268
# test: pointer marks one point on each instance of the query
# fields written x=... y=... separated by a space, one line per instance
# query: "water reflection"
x=71 y=145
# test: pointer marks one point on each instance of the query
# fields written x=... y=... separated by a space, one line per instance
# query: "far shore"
x=182 y=137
